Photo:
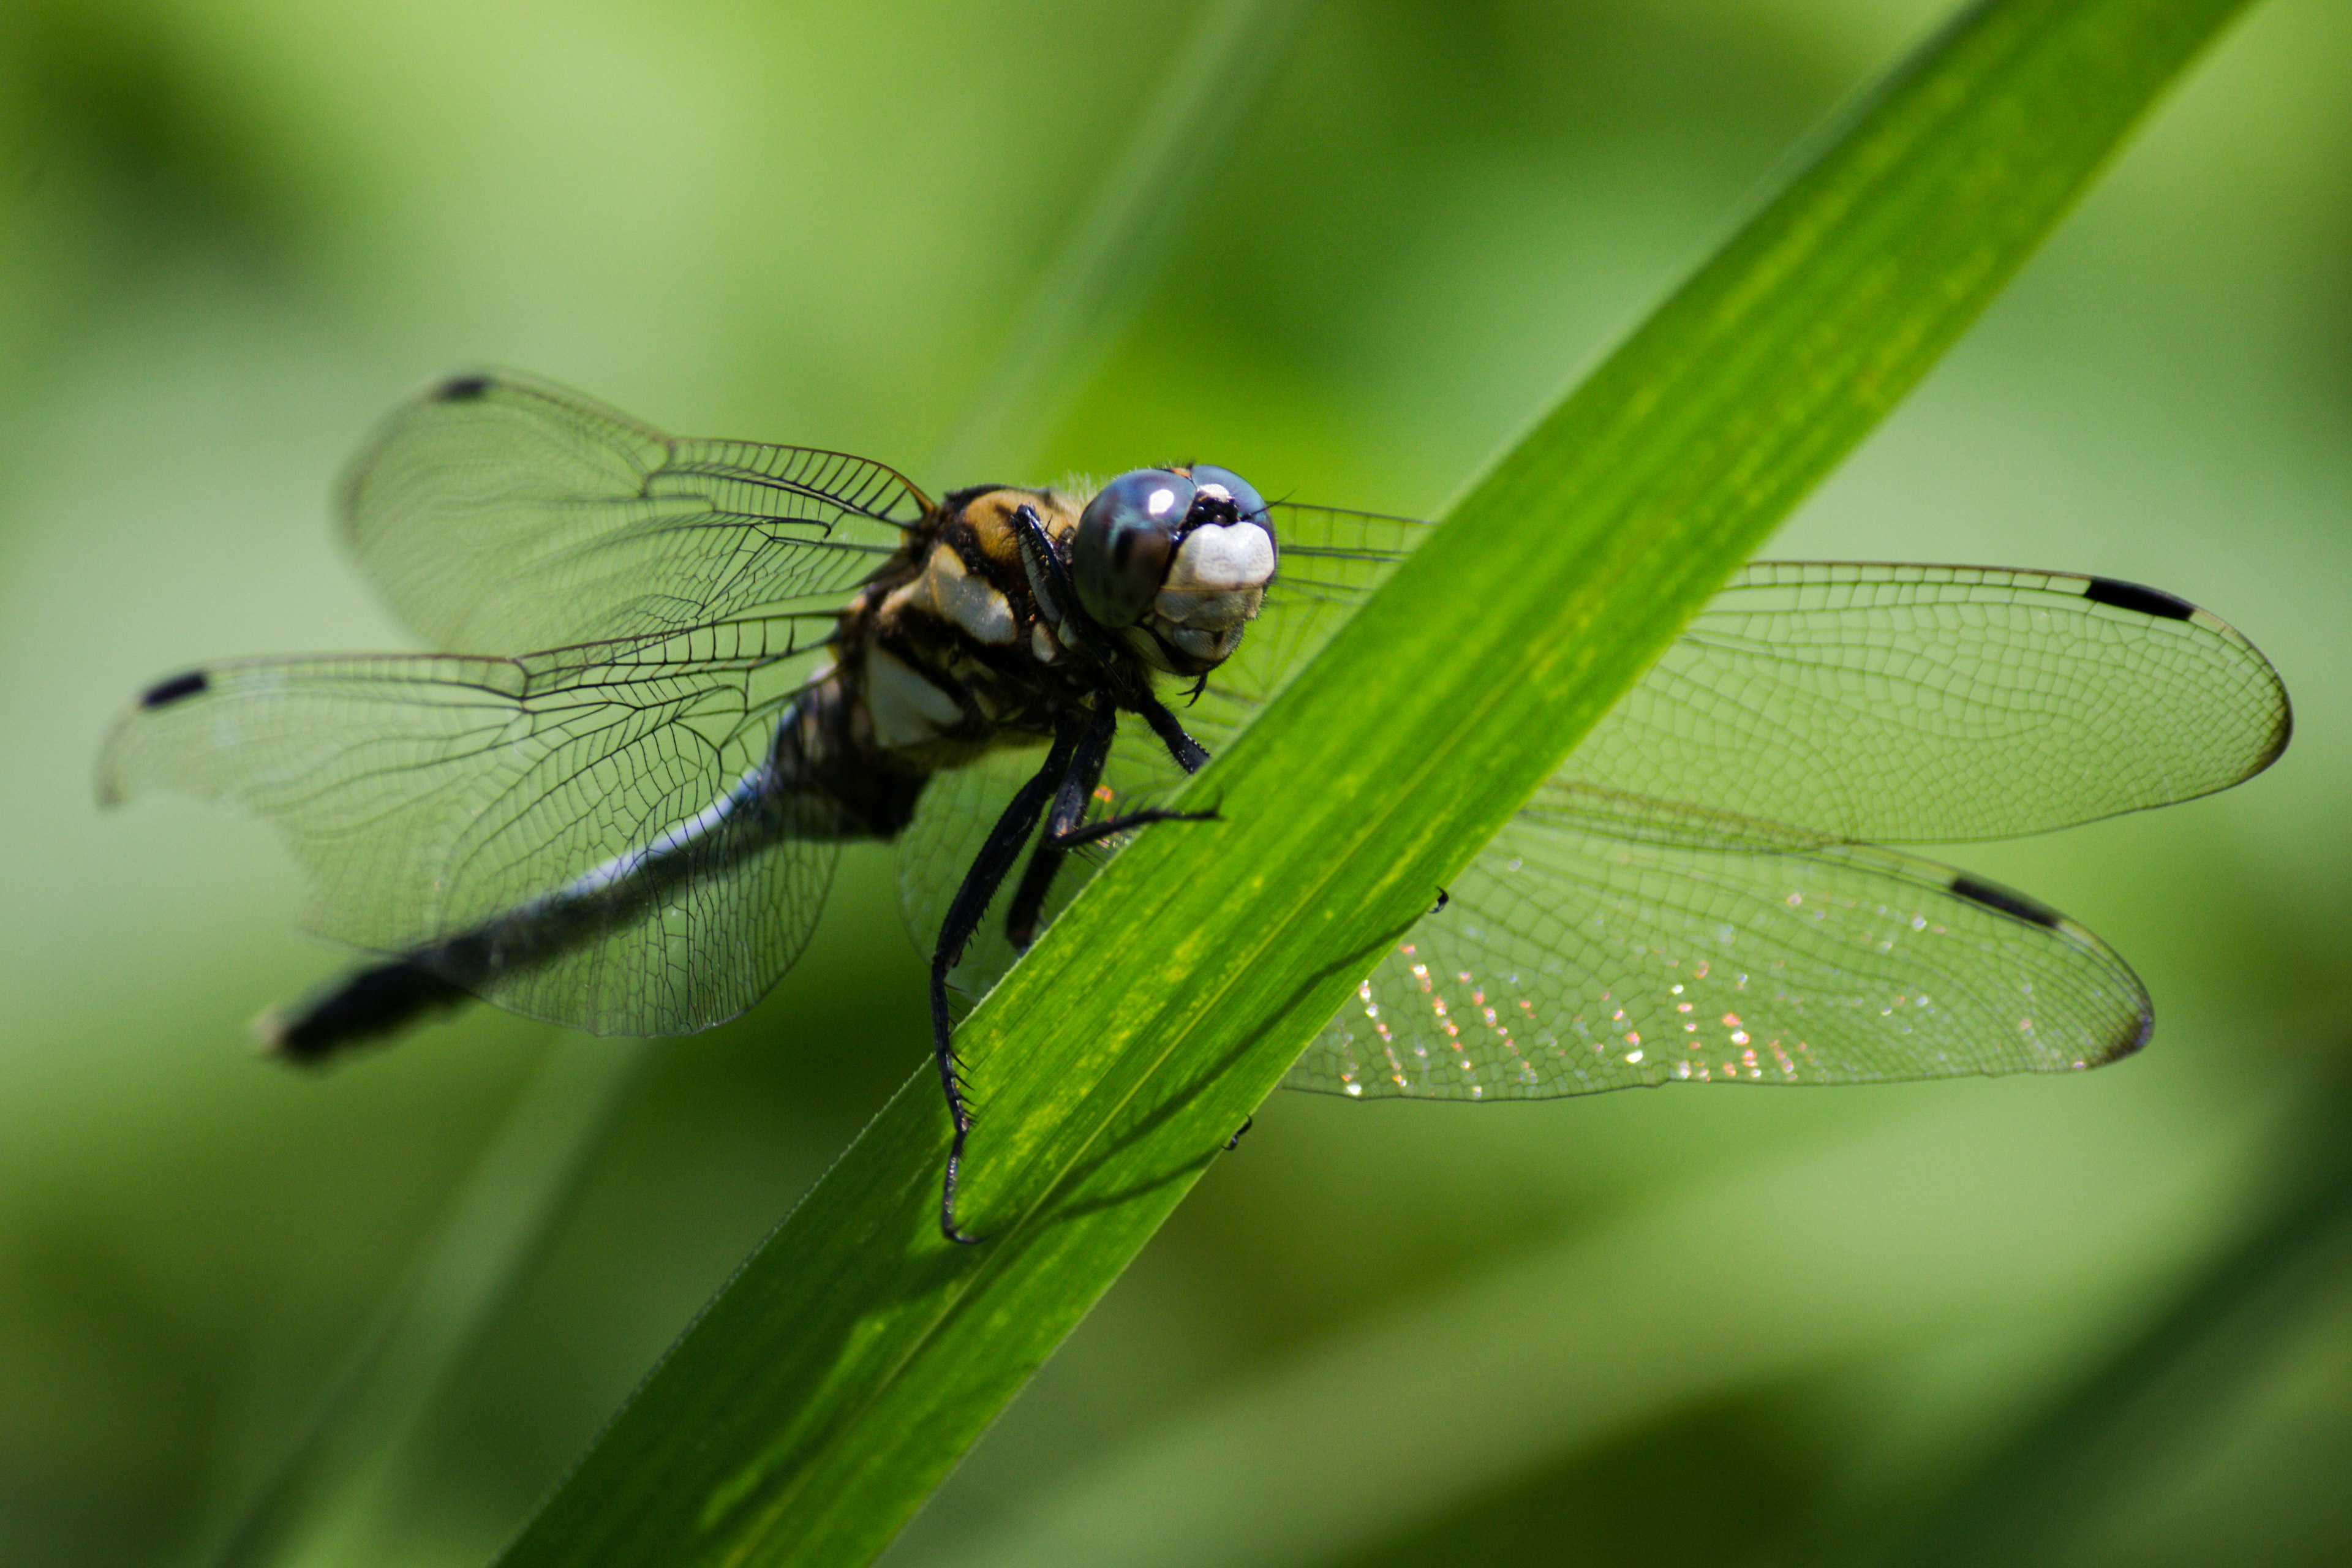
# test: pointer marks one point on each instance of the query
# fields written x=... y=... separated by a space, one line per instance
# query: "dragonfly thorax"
x=1009 y=609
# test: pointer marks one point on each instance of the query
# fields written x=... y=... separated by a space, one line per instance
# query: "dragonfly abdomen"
x=366 y=1004
x=800 y=789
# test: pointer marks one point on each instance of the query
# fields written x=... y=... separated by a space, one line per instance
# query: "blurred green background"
x=2096 y=1320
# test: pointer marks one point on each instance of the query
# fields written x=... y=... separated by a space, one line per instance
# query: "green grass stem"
x=855 y=1356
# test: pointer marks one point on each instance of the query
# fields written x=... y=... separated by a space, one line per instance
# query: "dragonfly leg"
x=1095 y=831
x=1189 y=754
x=1029 y=899
x=1049 y=574
x=980 y=884
x=1067 y=829
x=1069 y=806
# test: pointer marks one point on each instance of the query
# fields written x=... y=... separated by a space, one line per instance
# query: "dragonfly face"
x=672 y=677
x=1177 y=561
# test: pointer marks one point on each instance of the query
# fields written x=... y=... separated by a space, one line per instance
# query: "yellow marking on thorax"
x=989 y=518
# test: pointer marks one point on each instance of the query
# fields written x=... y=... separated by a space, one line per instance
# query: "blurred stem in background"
x=2085 y=1459
x=327 y=1501
x=1147 y=200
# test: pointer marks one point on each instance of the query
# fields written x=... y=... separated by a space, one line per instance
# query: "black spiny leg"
x=1188 y=752
x=980 y=884
x=1066 y=827
x=1029 y=898
x=1045 y=862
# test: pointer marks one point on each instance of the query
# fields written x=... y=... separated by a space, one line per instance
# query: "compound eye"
x=1225 y=497
x=1126 y=538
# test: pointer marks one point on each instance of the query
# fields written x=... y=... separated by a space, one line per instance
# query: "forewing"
x=498 y=513
x=1606 y=940
x=1921 y=703
x=1862 y=702
x=423 y=795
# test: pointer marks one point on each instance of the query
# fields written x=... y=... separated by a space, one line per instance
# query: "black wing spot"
x=461 y=389
x=2154 y=602
x=1993 y=896
x=164 y=693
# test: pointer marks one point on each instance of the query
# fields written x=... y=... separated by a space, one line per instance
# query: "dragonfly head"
x=1176 y=561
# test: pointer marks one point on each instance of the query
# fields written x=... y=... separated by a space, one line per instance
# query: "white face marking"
x=1218 y=578
x=906 y=709
x=1042 y=647
x=1209 y=646
x=1236 y=555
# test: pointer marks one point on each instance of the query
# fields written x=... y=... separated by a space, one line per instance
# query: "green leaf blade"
x=827 y=1389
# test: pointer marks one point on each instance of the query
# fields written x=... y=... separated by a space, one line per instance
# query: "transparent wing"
x=1605 y=941
x=498 y=513
x=1863 y=702
x=423 y=794
x=1331 y=559
x=1919 y=703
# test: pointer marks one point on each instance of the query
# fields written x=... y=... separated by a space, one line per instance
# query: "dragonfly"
x=670 y=678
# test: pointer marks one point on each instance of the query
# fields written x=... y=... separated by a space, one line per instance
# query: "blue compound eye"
x=1127 y=536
